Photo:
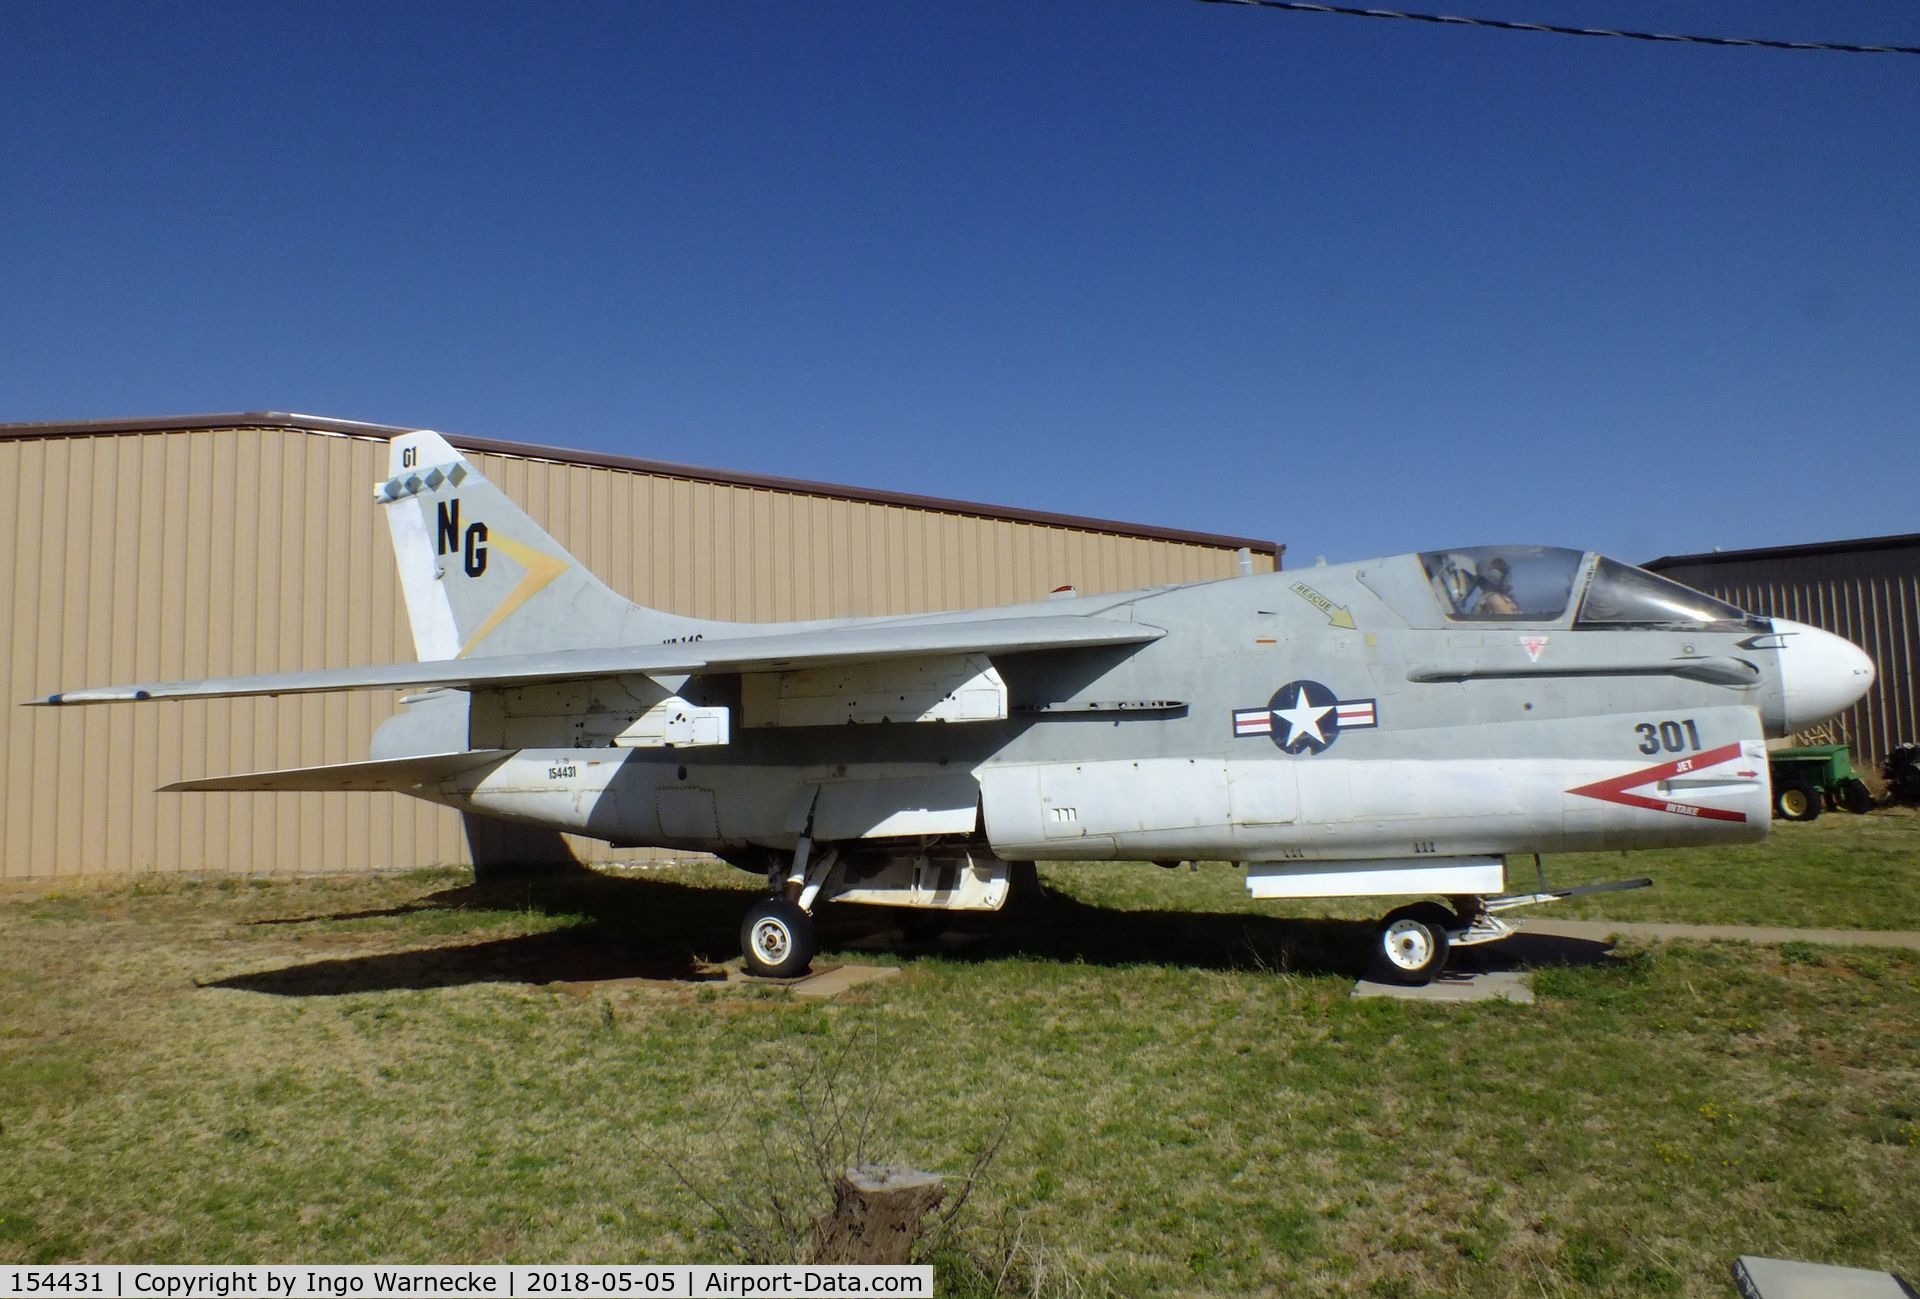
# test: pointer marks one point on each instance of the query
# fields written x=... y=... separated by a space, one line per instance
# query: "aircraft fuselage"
x=1335 y=715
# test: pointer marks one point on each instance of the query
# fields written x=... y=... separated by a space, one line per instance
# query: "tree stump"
x=876 y=1215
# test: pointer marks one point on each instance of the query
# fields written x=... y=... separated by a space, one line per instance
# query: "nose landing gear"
x=1413 y=941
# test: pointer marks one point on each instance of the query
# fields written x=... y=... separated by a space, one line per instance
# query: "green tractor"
x=1814 y=777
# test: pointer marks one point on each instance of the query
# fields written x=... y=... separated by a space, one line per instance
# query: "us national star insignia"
x=1305 y=717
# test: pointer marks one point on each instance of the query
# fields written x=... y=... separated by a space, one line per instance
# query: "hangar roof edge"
x=660 y=468
x=1896 y=541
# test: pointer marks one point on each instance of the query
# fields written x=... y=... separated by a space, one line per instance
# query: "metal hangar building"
x=163 y=549
x=1867 y=590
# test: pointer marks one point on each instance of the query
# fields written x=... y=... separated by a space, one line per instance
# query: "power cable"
x=1498 y=24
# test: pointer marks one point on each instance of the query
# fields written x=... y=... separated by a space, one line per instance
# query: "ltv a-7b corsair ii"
x=1400 y=727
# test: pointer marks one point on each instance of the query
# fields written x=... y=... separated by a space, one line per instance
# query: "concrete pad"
x=822 y=982
x=834 y=980
x=1776 y=1278
x=1454 y=986
x=1492 y=971
x=1530 y=950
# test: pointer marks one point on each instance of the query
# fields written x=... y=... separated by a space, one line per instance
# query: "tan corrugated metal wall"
x=1871 y=596
x=166 y=555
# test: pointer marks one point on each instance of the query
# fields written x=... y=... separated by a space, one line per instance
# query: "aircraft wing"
x=776 y=652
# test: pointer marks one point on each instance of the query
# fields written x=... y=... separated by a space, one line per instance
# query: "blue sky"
x=1357 y=286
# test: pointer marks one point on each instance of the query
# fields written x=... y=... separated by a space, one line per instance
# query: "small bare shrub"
x=833 y=1109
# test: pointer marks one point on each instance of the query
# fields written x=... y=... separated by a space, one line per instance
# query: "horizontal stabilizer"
x=398 y=775
x=776 y=652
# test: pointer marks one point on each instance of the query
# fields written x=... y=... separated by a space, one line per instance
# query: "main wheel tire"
x=1413 y=942
x=1855 y=797
x=777 y=939
x=1798 y=801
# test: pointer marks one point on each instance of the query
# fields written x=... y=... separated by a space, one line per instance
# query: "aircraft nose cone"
x=1820 y=673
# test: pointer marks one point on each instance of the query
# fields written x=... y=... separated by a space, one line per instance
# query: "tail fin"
x=481 y=578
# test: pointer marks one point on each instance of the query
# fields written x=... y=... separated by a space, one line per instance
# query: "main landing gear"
x=777 y=936
x=777 y=939
x=923 y=883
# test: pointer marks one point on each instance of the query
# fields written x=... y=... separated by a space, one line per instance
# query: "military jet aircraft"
x=1401 y=727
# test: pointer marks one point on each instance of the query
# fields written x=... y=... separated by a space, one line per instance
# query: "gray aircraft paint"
x=1338 y=724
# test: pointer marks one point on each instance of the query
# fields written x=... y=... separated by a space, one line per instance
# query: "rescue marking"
x=1614 y=789
x=1534 y=646
x=1338 y=615
x=1306 y=717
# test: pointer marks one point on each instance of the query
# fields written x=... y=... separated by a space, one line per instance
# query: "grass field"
x=1840 y=872
x=411 y=1068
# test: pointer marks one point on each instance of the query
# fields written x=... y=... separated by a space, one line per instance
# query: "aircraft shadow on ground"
x=650 y=928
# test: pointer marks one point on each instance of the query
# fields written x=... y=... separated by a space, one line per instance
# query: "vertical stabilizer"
x=481 y=578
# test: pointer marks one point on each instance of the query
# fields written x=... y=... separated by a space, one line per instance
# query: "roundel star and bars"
x=1305 y=717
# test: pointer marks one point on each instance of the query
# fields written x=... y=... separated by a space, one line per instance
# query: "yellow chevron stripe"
x=541 y=569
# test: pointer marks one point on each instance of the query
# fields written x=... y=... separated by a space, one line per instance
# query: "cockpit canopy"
x=1620 y=595
x=1478 y=584
x=1503 y=583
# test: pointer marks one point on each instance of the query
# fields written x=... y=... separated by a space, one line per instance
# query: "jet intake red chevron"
x=1614 y=789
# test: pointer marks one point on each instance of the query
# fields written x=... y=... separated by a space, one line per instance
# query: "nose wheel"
x=777 y=939
x=1412 y=943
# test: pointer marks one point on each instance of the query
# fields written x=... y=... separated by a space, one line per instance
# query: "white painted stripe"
x=1366 y=879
